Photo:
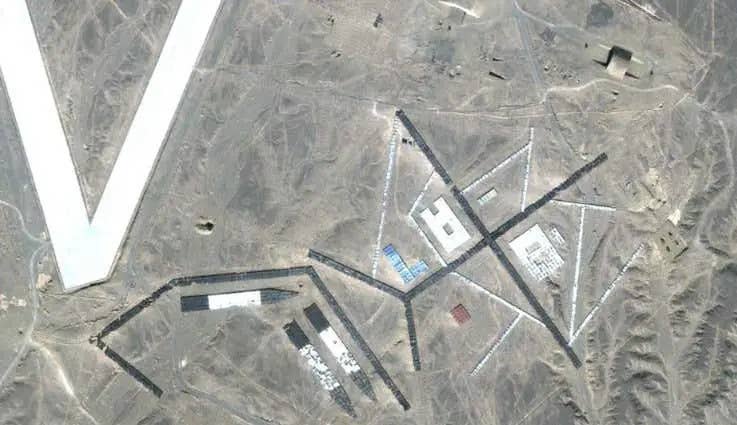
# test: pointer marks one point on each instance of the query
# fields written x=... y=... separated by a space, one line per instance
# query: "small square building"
x=460 y=314
x=536 y=253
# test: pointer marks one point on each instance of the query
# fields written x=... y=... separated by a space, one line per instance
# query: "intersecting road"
x=489 y=239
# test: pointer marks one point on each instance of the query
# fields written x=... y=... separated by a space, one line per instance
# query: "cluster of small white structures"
x=319 y=368
x=488 y=196
x=556 y=236
x=536 y=253
x=339 y=351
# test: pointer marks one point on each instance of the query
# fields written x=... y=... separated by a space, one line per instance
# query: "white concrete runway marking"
x=607 y=292
x=496 y=345
x=496 y=297
x=574 y=291
x=527 y=169
x=87 y=251
x=421 y=195
x=467 y=11
x=385 y=194
x=502 y=164
x=427 y=241
x=584 y=204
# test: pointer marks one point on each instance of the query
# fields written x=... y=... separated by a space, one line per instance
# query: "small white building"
x=536 y=253
x=445 y=225
x=488 y=196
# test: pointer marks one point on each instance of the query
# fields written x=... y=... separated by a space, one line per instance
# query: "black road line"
x=148 y=301
x=439 y=274
x=350 y=271
x=133 y=311
x=357 y=338
x=201 y=279
x=252 y=275
x=412 y=331
x=131 y=370
x=236 y=276
x=424 y=147
x=539 y=309
x=436 y=276
x=466 y=207
x=489 y=238
x=570 y=181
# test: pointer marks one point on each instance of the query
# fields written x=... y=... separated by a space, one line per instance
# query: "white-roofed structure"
x=445 y=226
x=536 y=253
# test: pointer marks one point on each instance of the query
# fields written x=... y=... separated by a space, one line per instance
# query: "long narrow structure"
x=337 y=348
x=357 y=338
x=234 y=299
x=320 y=369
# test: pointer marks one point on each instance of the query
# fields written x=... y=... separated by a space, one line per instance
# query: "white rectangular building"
x=536 y=253
x=445 y=226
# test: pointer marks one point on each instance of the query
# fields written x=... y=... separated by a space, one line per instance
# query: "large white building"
x=445 y=226
x=536 y=253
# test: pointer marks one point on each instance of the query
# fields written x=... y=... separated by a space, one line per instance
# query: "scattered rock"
x=378 y=21
x=496 y=75
x=43 y=282
x=548 y=36
x=455 y=71
x=204 y=226
x=6 y=303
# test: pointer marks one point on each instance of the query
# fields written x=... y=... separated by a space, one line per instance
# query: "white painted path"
x=496 y=345
x=86 y=251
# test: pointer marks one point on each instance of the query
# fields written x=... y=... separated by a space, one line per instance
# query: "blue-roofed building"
x=408 y=275
x=419 y=268
x=398 y=263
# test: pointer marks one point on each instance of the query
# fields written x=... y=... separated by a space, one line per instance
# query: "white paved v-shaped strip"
x=86 y=252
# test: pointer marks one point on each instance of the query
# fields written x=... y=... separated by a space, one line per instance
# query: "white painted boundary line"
x=574 y=291
x=85 y=250
x=584 y=204
x=468 y=12
x=416 y=225
x=496 y=345
x=424 y=237
x=385 y=195
x=496 y=297
x=606 y=294
x=488 y=174
x=422 y=193
x=527 y=168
